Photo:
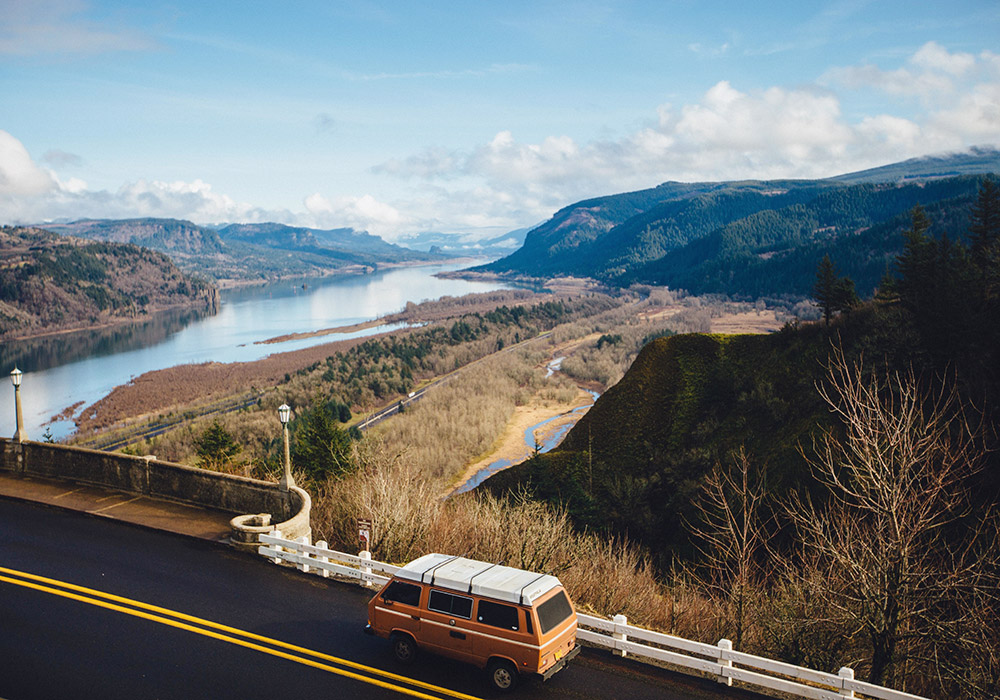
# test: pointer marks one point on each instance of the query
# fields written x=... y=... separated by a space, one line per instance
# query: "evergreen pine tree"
x=825 y=290
x=215 y=447
x=321 y=446
x=917 y=262
x=831 y=292
x=984 y=234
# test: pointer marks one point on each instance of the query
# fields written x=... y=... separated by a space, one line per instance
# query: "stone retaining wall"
x=147 y=476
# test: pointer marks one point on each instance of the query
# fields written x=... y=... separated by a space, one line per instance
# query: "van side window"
x=402 y=592
x=450 y=604
x=497 y=615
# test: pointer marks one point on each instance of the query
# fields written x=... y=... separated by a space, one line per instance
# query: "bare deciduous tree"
x=890 y=535
x=731 y=538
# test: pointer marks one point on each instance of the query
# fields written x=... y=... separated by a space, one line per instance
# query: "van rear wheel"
x=403 y=648
x=503 y=675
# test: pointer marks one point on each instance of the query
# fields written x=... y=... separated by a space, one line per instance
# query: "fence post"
x=325 y=573
x=277 y=533
x=724 y=646
x=304 y=568
x=846 y=674
x=366 y=570
x=620 y=620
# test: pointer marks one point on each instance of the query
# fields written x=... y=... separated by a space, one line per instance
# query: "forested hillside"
x=165 y=235
x=50 y=283
x=751 y=239
x=846 y=471
x=772 y=252
x=341 y=243
x=241 y=253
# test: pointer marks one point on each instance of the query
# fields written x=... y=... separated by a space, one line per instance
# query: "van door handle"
x=415 y=618
x=457 y=635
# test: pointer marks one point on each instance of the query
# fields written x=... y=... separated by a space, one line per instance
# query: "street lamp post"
x=284 y=411
x=15 y=379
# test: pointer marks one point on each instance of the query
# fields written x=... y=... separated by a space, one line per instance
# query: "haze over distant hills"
x=753 y=238
x=239 y=253
x=466 y=244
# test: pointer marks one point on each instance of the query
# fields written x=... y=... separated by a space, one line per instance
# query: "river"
x=77 y=369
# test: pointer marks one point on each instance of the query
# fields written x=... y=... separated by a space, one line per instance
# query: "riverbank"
x=512 y=448
x=161 y=390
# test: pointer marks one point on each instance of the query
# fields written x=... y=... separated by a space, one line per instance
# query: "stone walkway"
x=200 y=523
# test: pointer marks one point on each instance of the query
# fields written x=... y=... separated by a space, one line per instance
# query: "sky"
x=466 y=117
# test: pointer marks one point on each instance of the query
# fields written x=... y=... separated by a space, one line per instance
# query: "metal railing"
x=717 y=661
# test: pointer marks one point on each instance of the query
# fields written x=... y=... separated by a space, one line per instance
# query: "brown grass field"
x=176 y=387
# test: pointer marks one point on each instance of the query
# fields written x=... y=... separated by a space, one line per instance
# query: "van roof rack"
x=480 y=578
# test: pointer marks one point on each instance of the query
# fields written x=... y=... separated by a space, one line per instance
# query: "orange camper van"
x=506 y=620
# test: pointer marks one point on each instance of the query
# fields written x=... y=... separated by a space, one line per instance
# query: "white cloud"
x=19 y=176
x=62 y=159
x=31 y=194
x=930 y=73
x=780 y=132
x=58 y=27
x=365 y=213
x=975 y=115
x=506 y=183
x=933 y=56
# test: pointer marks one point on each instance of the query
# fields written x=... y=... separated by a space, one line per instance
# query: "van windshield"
x=553 y=612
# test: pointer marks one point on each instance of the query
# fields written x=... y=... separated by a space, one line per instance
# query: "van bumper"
x=560 y=664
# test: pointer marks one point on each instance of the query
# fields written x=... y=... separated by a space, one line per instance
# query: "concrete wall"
x=157 y=479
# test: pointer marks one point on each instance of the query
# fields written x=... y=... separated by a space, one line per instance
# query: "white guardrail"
x=718 y=661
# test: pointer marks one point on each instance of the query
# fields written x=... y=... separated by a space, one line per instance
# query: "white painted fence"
x=718 y=661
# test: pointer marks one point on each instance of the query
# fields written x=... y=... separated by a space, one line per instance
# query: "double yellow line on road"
x=231 y=635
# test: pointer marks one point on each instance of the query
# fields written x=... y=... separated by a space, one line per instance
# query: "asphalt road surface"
x=92 y=608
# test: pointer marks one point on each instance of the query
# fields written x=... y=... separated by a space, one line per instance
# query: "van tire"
x=503 y=675
x=403 y=648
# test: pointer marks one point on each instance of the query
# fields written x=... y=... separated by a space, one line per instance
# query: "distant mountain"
x=457 y=244
x=775 y=251
x=239 y=253
x=974 y=162
x=344 y=243
x=53 y=283
x=751 y=238
x=166 y=235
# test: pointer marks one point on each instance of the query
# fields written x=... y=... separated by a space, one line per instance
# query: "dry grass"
x=174 y=388
x=456 y=423
x=603 y=577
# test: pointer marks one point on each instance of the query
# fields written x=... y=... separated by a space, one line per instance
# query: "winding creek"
x=534 y=436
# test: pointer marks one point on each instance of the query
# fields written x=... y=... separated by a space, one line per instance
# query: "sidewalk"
x=201 y=523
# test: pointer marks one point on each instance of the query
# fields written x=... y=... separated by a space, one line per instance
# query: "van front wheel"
x=404 y=648
x=503 y=675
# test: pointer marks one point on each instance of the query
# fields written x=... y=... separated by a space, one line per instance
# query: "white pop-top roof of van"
x=479 y=577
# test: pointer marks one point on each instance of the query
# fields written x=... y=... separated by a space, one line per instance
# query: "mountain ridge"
x=248 y=253
x=638 y=237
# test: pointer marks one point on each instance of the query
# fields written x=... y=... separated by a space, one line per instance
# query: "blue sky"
x=466 y=117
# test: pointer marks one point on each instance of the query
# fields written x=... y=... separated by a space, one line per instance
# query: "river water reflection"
x=79 y=368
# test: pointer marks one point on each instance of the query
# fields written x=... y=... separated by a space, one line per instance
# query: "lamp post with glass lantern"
x=15 y=379
x=284 y=412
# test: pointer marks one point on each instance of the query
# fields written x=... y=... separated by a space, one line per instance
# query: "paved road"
x=77 y=621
